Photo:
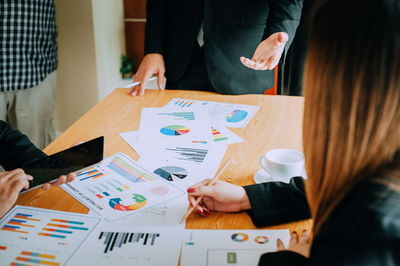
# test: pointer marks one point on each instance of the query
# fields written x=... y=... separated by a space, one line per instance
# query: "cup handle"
x=261 y=159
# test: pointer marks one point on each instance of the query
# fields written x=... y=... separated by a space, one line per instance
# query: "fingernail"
x=200 y=212
x=206 y=212
x=304 y=230
x=294 y=232
x=191 y=190
x=30 y=178
x=191 y=204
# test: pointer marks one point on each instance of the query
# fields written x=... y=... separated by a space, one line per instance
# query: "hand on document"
x=151 y=64
x=221 y=196
x=268 y=52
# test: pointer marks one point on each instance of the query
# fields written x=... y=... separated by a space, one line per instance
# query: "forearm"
x=277 y=202
x=156 y=26
x=284 y=16
x=16 y=148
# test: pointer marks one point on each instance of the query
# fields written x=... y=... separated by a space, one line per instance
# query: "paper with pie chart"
x=229 y=247
x=118 y=187
x=162 y=124
x=183 y=165
x=229 y=114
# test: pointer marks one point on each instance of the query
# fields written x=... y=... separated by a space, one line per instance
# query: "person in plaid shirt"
x=28 y=64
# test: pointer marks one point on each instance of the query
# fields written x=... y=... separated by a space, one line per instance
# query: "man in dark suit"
x=197 y=44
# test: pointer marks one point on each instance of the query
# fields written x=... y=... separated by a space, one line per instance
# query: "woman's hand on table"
x=221 y=196
x=299 y=244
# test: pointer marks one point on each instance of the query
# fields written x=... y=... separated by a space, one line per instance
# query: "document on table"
x=118 y=187
x=131 y=245
x=229 y=247
x=183 y=165
x=231 y=115
x=38 y=236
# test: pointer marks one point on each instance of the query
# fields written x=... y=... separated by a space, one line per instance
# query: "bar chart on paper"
x=127 y=245
x=33 y=236
x=118 y=187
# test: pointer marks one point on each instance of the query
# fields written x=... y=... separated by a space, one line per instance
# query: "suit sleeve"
x=277 y=202
x=156 y=26
x=16 y=149
x=282 y=258
x=284 y=16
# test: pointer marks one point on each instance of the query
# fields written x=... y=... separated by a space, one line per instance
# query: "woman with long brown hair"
x=351 y=139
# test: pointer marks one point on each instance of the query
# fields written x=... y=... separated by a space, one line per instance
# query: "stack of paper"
x=185 y=141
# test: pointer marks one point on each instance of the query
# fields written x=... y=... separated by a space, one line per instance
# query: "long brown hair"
x=351 y=127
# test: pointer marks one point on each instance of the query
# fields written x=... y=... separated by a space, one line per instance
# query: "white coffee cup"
x=282 y=164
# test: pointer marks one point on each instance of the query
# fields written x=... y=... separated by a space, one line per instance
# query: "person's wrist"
x=244 y=202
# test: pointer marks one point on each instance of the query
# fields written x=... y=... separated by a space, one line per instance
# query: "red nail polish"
x=191 y=190
x=200 y=212
x=191 y=204
x=206 y=212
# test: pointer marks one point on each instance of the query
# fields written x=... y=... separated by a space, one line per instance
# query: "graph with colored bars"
x=217 y=136
x=189 y=154
x=179 y=115
x=27 y=257
x=62 y=228
x=182 y=103
x=128 y=171
x=114 y=240
x=20 y=223
x=91 y=173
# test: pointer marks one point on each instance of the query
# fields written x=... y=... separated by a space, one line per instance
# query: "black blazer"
x=232 y=28
x=364 y=229
x=16 y=149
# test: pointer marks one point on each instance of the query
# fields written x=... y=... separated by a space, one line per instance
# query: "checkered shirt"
x=28 y=48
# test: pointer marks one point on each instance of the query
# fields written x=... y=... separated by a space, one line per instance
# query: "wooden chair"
x=274 y=89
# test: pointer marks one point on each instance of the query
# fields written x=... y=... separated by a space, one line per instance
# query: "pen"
x=138 y=82
x=217 y=175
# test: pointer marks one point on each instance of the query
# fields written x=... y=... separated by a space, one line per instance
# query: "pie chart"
x=119 y=205
x=240 y=237
x=236 y=116
x=261 y=239
x=171 y=173
x=174 y=130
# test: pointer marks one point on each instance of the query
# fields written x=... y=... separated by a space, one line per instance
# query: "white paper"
x=118 y=187
x=229 y=247
x=232 y=115
x=183 y=165
x=29 y=235
x=134 y=245
x=132 y=138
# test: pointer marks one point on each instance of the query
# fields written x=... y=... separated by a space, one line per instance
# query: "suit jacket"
x=363 y=229
x=16 y=149
x=232 y=28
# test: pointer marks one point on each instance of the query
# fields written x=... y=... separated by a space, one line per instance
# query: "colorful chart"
x=171 y=173
x=117 y=204
x=181 y=103
x=236 y=116
x=20 y=223
x=34 y=257
x=174 y=130
x=91 y=173
x=128 y=171
x=179 y=115
x=217 y=136
x=240 y=237
x=161 y=190
x=261 y=239
x=200 y=141
x=188 y=154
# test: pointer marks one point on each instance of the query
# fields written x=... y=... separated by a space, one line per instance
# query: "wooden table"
x=277 y=124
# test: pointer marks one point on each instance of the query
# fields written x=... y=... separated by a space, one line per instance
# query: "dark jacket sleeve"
x=16 y=149
x=284 y=258
x=284 y=16
x=277 y=202
x=156 y=26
